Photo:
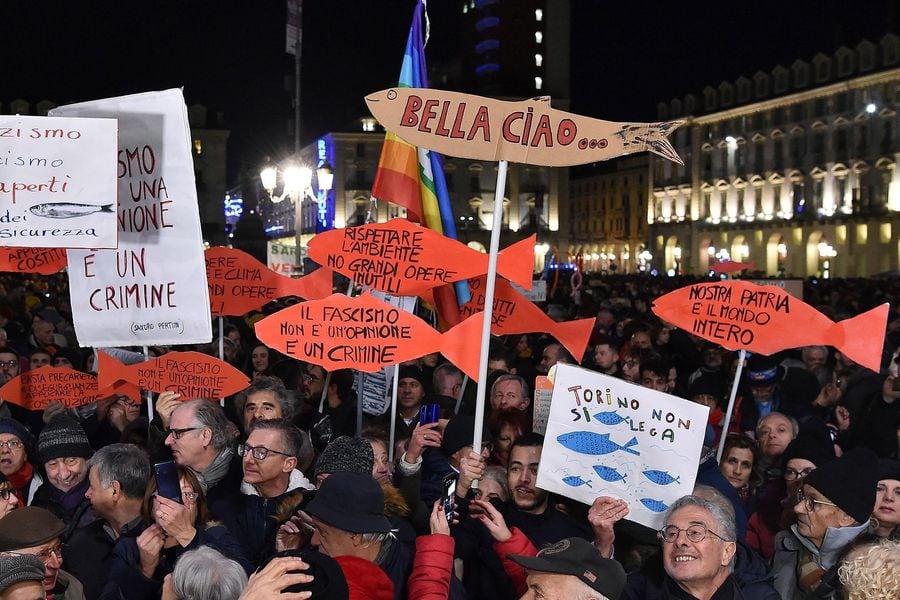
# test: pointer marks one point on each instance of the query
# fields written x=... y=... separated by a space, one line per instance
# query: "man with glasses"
x=16 y=447
x=833 y=508
x=271 y=480
x=35 y=531
x=510 y=391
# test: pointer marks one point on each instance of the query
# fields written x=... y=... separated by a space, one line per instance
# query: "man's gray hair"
x=804 y=353
x=290 y=435
x=205 y=574
x=209 y=414
x=286 y=400
x=444 y=371
x=125 y=463
x=721 y=509
x=510 y=377
x=795 y=426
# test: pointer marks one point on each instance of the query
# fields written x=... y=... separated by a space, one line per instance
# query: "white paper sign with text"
x=152 y=289
x=608 y=437
x=282 y=257
x=57 y=182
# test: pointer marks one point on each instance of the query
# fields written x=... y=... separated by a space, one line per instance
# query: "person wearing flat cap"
x=833 y=508
x=35 y=531
x=21 y=577
x=571 y=569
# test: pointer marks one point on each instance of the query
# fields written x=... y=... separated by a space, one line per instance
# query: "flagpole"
x=394 y=412
x=146 y=352
x=734 y=386
x=489 y=307
x=221 y=351
x=459 y=397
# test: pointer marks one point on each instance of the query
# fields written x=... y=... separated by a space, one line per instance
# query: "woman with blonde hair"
x=872 y=571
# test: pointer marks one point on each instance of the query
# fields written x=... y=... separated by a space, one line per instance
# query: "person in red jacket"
x=433 y=564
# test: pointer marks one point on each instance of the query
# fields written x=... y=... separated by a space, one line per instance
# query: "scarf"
x=69 y=501
x=217 y=470
x=19 y=482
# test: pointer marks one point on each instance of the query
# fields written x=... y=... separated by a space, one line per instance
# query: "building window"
x=538 y=83
x=538 y=60
x=779 y=154
x=538 y=14
x=538 y=37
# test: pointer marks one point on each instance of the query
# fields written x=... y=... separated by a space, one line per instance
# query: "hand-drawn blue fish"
x=588 y=442
x=610 y=417
x=67 y=210
x=655 y=505
x=575 y=481
x=661 y=477
x=608 y=473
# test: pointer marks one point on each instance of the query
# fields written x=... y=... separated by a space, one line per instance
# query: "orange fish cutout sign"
x=39 y=387
x=403 y=258
x=514 y=313
x=238 y=283
x=730 y=266
x=45 y=261
x=766 y=319
x=365 y=334
x=191 y=374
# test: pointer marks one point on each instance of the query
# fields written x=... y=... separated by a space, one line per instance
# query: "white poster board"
x=606 y=436
x=282 y=258
x=537 y=293
x=57 y=182
x=377 y=386
x=152 y=289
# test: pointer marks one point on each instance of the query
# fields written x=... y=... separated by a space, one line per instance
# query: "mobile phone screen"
x=449 y=497
x=167 y=482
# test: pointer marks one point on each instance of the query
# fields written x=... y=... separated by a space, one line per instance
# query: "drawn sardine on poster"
x=608 y=437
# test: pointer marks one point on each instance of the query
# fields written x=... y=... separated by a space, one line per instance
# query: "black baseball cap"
x=579 y=558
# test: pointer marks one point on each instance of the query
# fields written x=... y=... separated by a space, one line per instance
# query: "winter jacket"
x=432 y=568
x=67 y=587
x=88 y=551
x=518 y=545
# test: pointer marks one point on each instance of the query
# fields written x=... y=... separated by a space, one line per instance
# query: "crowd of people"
x=281 y=496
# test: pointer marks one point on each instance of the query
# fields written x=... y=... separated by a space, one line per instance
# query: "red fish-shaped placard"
x=514 y=313
x=45 y=261
x=191 y=374
x=39 y=387
x=766 y=319
x=405 y=259
x=122 y=388
x=365 y=334
x=730 y=266
x=239 y=283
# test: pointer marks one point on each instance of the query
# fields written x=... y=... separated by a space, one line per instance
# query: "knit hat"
x=888 y=468
x=63 y=437
x=459 y=433
x=328 y=580
x=849 y=482
x=579 y=558
x=366 y=580
x=346 y=455
x=352 y=502
x=710 y=385
x=810 y=447
x=17 y=568
x=762 y=370
x=15 y=428
x=31 y=526
x=413 y=372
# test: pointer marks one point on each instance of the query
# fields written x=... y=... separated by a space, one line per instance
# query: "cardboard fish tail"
x=516 y=262
x=574 y=335
x=111 y=373
x=850 y=336
x=459 y=345
x=658 y=142
x=316 y=285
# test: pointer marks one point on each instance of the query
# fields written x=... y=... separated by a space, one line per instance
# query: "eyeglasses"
x=177 y=433
x=792 y=474
x=695 y=533
x=43 y=555
x=810 y=503
x=5 y=493
x=190 y=497
x=8 y=363
x=11 y=444
x=258 y=452
x=307 y=377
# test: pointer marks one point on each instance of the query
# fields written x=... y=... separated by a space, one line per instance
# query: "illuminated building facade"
x=794 y=170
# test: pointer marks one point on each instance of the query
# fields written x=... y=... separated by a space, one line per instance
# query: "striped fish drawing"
x=655 y=505
x=588 y=442
x=610 y=417
x=575 y=481
x=661 y=477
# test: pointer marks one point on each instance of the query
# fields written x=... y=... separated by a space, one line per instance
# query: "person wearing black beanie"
x=886 y=516
x=833 y=508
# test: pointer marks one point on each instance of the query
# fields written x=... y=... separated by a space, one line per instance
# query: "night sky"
x=229 y=54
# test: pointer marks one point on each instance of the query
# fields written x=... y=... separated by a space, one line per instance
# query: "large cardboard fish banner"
x=513 y=313
x=364 y=333
x=239 y=283
x=729 y=266
x=191 y=374
x=608 y=437
x=528 y=131
x=39 y=387
x=766 y=319
x=44 y=261
x=57 y=182
x=405 y=259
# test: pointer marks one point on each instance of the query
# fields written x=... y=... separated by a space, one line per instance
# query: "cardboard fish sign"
x=365 y=334
x=405 y=259
x=45 y=261
x=239 y=283
x=37 y=388
x=528 y=131
x=766 y=319
x=191 y=374
x=730 y=266
x=514 y=313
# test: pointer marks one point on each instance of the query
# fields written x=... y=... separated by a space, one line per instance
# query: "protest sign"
x=512 y=313
x=543 y=393
x=39 y=387
x=363 y=333
x=608 y=437
x=766 y=319
x=537 y=293
x=376 y=388
x=282 y=258
x=45 y=261
x=794 y=287
x=239 y=283
x=57 y=182
x=729 y=267
x=149 y=290
x=191 y=374
x=406 y=259
x=528 y=131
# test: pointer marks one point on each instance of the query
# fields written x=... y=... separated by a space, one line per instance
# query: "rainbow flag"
x=414 y=177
